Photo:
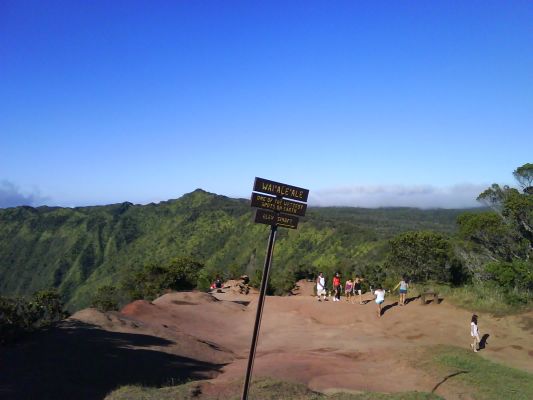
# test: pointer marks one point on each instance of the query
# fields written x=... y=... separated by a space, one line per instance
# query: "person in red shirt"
x=337 y=287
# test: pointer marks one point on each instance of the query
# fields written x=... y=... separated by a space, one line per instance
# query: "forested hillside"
x=78 y=250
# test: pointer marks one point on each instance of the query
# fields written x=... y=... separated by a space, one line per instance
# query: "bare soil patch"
x=328 y=346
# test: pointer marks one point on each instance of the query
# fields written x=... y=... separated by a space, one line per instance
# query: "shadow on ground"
x=388 y=307
x=80 y=361
x=483 y=342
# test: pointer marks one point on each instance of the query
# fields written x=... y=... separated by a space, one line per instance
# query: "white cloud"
x=11 y=196
x=421 y=196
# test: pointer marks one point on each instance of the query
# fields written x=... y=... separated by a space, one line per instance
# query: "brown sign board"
x=278 y=205
x=280 y=189
x=272 y=218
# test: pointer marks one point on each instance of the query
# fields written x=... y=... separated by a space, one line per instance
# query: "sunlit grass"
x=479 y=297
x=486 y=379
x=261 y=389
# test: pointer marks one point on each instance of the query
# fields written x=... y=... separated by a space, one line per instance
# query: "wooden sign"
x=272 y=218
x=280 y=189
x=278 y=205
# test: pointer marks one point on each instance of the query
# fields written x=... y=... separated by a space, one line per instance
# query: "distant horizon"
x=310 y=204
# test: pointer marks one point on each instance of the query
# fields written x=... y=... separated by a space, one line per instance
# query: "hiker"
x=357 y=288
x=380 y=298
x=403 y=290
x=321 y=287
x=218 y=283
x=348 y=290
x=337 y=287
x=474 y=332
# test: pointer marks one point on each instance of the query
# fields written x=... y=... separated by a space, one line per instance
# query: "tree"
x=524 y=176
x=518 y=210
x=494 y=196
x=422 y=255
x=515 y=208
x=507 y=234
x=489 y=230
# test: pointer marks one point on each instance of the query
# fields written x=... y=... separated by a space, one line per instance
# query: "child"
x=321 y=287
x=380 y=298
x=348 y=289
x=337 y=287
x=474 y=332
x=357 y=289
x=403 y=290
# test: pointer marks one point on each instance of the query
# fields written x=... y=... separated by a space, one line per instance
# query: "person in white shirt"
x=474 y=332
x=321 y=287
x=380 y=298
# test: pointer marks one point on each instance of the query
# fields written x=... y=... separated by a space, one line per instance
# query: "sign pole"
x=274 y=210
x=260 y=304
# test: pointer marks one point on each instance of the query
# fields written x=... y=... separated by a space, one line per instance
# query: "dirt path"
x=328 y=346
x=331 y=346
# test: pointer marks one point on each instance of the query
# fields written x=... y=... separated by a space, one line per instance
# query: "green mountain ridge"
x=76 y=250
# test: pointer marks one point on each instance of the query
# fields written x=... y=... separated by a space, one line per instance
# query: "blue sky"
x=368 y=104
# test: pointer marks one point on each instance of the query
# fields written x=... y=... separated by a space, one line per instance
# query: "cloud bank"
x=420 y=196
x=11 y=196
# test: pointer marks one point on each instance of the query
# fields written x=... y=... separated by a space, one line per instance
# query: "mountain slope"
x=76 y=250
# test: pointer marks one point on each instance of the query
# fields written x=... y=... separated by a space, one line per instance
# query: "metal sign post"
x=259 y=312
x=275 y=211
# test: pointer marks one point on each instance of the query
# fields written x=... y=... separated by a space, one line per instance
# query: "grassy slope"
x=264 y=389
x=489 y=380
x=77 y=250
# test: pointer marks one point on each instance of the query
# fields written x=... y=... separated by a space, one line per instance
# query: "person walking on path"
x=474 y=332
x=321 y=287
x=337 y=287
x=348 y=290
x=357 y=290
x=403 y=290
x=380 y=298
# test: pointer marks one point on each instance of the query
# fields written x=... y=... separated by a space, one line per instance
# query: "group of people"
x=353 y=288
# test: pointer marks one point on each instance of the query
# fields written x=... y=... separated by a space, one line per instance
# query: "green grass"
x=261 y=389
x=487 y=379
x=479 y=297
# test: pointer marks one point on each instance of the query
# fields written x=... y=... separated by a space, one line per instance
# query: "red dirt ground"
x=330 y=346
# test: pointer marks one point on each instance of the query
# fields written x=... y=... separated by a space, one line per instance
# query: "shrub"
x=105 y=298
x=517 y=275
x=154 y=280
x=18 y=315
x=422 y=256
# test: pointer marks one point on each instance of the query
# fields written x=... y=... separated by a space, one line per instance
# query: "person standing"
x=321 y=287
x=474 y=332
x=218 y=282
x=348 y=290
x=380 y=298
x=337 y=287
x=357 y=290
x=403 y=290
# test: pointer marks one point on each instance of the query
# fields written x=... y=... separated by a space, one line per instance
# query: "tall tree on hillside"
x=506 y=234
x=514 y=207
x=524 y=176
